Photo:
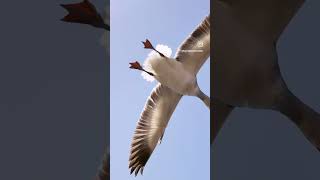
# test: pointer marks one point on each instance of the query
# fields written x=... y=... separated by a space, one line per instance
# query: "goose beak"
x=147 y=45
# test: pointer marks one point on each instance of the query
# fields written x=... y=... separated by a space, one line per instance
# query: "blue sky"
x=185 y=150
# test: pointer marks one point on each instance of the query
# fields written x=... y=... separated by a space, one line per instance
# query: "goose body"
x=172 y=73
x=176 y=77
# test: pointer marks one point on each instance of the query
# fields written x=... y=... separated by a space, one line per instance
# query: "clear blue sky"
x=185 y=150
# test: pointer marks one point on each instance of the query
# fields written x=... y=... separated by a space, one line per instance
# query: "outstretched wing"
x=151 y=126
x=195 y=50
x=266 y=17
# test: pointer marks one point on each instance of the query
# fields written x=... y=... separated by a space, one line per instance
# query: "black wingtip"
x=131 y=171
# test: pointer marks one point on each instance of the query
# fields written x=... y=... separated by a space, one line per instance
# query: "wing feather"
x=151 y=126
x=195 y=50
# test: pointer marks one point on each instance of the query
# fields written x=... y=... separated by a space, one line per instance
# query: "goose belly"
x=174 y=76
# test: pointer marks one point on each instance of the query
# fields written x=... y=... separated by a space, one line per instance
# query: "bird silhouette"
x=245 y=63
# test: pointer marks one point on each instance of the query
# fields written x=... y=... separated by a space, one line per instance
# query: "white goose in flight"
x=176 y=77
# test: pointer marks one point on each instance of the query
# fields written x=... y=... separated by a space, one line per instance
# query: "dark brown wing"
x=195 y=50
x=267 y=17
x=151 y=126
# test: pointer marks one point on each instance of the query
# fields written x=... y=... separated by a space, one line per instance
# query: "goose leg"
x=147 y=45
x=136 y=65
x=220 y=114
x=306 y=119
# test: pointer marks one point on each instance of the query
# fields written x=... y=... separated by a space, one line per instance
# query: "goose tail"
x=154 y=62
x=306 y=119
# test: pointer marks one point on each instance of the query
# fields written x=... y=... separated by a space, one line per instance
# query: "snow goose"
x=245 y=65
x=176 y=77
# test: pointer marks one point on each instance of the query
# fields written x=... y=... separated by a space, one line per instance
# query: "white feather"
x=147 y=77
x=154 y=56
